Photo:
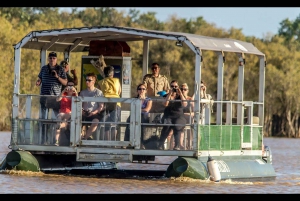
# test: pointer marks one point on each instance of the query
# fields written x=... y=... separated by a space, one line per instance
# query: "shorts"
x=90 y=118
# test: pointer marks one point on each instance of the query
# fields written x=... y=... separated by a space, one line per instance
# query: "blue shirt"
x=144 y=104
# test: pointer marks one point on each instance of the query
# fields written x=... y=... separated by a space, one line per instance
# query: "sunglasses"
x=70 y=85
x=88 y=80
x=172 y=86
x=52 y=57
x=141 y=89
x=184 y=89
x=154 y=68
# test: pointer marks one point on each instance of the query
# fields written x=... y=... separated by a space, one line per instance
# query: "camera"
x=86 y=112
x=174 y=89
x=53 y=73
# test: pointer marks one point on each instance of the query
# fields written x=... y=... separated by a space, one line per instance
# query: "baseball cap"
x=52 y=54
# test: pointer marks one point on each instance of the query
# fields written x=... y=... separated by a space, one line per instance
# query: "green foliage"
x=290 y=30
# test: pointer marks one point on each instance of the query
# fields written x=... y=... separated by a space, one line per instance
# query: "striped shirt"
x=51 y=85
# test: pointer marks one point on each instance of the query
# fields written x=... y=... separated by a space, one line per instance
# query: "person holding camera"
x=173 y=114
x=65 y=108
x=51 y=78
x=66 y=66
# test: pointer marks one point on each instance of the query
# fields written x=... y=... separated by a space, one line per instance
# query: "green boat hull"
x=187 y=167
x=230 y=168
x=22 y=160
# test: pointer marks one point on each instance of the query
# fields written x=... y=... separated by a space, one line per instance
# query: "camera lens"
x=53 y=73
x=174 y=90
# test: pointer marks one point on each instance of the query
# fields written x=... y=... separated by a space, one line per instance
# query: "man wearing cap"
x=51 y=79
x=155 y=82
x=70 y=78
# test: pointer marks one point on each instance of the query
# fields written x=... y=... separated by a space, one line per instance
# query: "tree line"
x=282 y=95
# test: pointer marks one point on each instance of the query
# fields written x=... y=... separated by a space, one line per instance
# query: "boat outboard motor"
x=213 y=170
x=267 y=156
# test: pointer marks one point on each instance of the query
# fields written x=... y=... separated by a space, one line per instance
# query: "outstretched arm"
x=75 y=79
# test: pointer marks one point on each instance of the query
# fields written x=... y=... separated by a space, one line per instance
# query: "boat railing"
x=230 y=133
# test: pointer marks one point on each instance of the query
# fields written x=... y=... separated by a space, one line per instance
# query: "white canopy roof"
x=78 y=39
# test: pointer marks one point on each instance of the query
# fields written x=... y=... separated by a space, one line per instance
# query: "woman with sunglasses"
x=188 y=114
x=145 y=108
x=65 y=108
x=173 y=114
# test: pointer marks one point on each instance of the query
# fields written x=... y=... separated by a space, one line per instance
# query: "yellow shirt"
x=110 y=87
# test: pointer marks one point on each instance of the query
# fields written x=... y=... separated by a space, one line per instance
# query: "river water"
x=286 y=155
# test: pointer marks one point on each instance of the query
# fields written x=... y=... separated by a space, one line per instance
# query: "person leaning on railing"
x=173 y=114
